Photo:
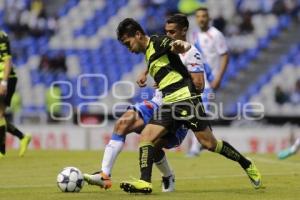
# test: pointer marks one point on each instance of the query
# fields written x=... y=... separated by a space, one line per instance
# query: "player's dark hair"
x=128 y=27
x=179 y=19
x=202 y=8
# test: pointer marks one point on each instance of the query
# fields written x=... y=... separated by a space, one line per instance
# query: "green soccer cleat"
x=2 y=155
x=136 y=186
x=254 y=175
x=24 y=144
x=285 y=153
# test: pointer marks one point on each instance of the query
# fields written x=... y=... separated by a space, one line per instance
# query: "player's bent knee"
x=121 y=127
x=207 y=143
x=123 y=124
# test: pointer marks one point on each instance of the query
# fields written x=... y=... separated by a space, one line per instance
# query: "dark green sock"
x=2 y=135
x=146 y=161
x=231 y=153
x=14 y=131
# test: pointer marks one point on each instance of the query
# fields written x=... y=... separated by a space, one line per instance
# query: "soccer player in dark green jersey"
x=182 y=103
x=8 y=81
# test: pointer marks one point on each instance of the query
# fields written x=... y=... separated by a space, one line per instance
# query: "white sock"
x=111 y=152
x=296 y=145
x=164 y=167
x=195 y=146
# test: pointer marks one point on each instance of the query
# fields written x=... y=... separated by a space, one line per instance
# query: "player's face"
x=173 y=31
x=132 y=43
x=202 y=18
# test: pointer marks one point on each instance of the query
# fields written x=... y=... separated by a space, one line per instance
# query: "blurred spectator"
x=246 y=26
x=55 y=64
x=29 y=18
x=37 y=7
x=44 y=64
x=281 y=97
x=279 y=7
x=295 y=96
x=220 y=23
x=58 y=63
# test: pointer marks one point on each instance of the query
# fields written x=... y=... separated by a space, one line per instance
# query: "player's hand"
x=142 y=79
x=155 y=85
x=179 y=46
x=215 y=84
x=3 y=90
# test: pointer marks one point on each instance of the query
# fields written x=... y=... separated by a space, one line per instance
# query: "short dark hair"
x=202 y=8
x=128 y=27
x=179 y=19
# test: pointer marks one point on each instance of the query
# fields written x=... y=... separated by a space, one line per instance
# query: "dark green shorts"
x=189 y=112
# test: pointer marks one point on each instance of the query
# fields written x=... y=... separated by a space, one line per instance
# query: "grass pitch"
x=206 y=177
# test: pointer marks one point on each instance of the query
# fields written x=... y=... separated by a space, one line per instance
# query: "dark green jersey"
x=4 y=53
x=167 y=70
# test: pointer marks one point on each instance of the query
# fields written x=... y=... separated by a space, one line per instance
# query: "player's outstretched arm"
x=142 y=78
x=224 y=64
x=198 y=80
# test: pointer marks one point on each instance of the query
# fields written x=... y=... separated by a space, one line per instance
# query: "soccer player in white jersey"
x=138 y=115
x=212 y=44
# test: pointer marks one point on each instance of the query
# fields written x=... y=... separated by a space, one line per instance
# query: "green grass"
x=206 y=177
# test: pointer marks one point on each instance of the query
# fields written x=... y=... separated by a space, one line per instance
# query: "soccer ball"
x=70 y=179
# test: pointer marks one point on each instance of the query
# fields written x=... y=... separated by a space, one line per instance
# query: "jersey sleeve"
x=221 y=45
x=4 y=47
x=194 y=61
x=163 y=43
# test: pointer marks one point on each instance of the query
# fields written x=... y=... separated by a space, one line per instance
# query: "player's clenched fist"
x=179 y=46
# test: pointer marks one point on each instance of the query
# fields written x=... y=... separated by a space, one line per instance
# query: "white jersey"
x=194 y=62
x=212 y=44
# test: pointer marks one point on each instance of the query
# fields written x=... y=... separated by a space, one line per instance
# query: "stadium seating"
x=264 y=35
x=284 y=74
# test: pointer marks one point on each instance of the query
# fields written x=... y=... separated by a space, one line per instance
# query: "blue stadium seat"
x=28 y=109
x=232 y=109
x=274 y=31
x=263 y=42
x=48 y=79
x=274 y=70
x=35 y=77
x=254 y=89
x=99 y=18
x=65 y=9
x=242 y=62
x=264 y=79
x=39 y=109
x=65 y=110
x=284 y=21
x=294 y=50
x=243 y=99
x=284 y=59
x=252 y=53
